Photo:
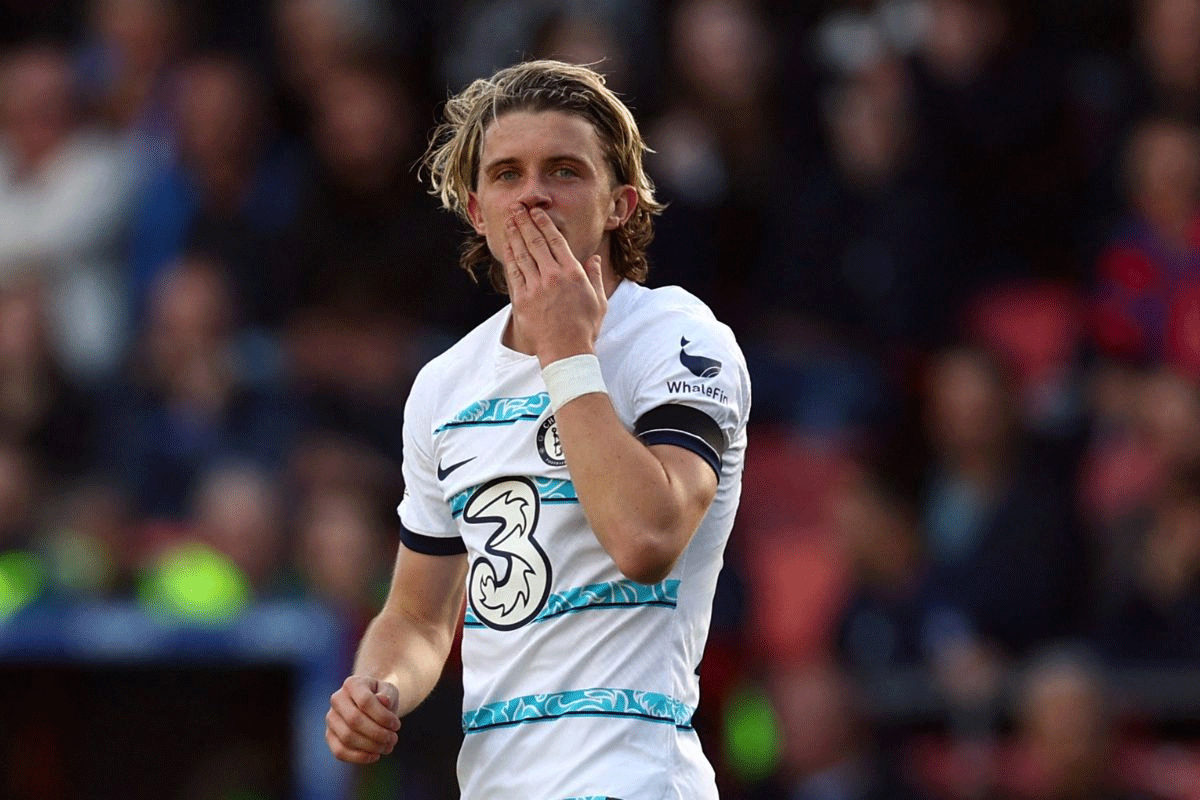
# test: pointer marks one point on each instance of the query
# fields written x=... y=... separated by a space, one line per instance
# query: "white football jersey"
x=578 y=682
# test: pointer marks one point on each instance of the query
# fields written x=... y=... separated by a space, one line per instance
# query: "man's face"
x=552 y=160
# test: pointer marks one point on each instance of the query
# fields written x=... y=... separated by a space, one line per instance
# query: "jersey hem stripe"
x=599 y=596
x=602 y=702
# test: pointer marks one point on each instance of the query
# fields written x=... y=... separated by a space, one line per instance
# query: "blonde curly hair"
x=455 y=148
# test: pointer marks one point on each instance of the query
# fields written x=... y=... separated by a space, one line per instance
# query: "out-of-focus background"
x=959 y=242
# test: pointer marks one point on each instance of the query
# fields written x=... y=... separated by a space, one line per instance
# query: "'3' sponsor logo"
x=507 y=586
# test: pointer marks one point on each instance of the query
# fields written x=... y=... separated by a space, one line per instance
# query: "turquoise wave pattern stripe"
x=556 y=490
x=499 y=411
x=629 y=703
x=550 y=490
x=589 y=797
x=614 y=594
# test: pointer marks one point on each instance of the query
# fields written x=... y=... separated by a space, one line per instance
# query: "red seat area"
x=790 y=482
x=950 y=769
x=1117 y=475
x=1036 y=327
x=795 y=575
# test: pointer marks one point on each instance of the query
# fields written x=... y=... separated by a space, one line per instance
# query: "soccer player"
x=572 y=466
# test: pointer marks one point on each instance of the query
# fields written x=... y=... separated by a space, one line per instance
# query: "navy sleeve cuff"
x=432 y=545
x=686 y=427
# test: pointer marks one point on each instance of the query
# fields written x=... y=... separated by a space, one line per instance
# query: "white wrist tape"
x=568 y=378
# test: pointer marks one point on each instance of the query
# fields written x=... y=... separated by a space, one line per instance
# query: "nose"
x=534 y=194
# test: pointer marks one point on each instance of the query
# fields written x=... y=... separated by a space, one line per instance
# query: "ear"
x=625 y=201
x=475 y=214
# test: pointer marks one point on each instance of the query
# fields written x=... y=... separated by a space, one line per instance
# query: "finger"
x=351 y=735
x=369 y=734
x=512 y=273
x=521 y=257
x=343 y=753
x=533 y=238
x=368 y=703
x=366 y=732
x=595 y=276
x=556 y=243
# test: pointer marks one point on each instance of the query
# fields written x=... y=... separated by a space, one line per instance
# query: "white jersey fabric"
x=578 y=682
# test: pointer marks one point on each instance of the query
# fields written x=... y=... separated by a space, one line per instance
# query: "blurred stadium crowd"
x=959 y=241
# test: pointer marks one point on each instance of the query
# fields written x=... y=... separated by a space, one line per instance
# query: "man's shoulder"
x=466 y=353
x=640 y=306
x=667 y=311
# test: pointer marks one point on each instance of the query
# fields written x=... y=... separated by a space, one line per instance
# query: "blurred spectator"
x=1147 y=429
x=343 y=557
x=187 y=404
x=40 y=409
x=1147 y=295
x=1168 y=58
x=829 y=750
x=343 y=552
x=1007 y=554
x=582 y=36
x=861 y=259
x=716 y=148
x=314 y=37
x=231 y=554
x=367 y=238
x=126 y=74
x=23 y=573
x=883 y=625
x=1150 y=606
x=485 y=34
x=993 y=117
x=231 y=191
x=90 y=544
x=238 y=511
x=1066 y=733
x=64 y=202
x=373 y=286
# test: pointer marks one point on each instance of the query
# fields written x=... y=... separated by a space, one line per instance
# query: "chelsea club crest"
x=549 y=445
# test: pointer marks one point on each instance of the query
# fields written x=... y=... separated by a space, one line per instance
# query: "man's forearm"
x=405 y=653
x=641 y=512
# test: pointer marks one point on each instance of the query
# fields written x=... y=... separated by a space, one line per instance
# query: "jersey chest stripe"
x=550 y=490
x=627 y=703
x=599 y=596
x=499 y=411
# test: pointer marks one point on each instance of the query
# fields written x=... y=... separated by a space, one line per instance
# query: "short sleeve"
x=426 y=524
x=689 y=386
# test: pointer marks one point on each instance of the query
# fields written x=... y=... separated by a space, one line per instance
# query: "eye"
x=565 y=172
x=506 y=175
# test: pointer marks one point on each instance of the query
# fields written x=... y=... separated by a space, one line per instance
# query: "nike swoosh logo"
x=445 y=473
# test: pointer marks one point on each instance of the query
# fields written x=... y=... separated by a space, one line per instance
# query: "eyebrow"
x=511 y=160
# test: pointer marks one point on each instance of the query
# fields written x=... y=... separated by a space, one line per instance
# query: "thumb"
x=388 y=694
